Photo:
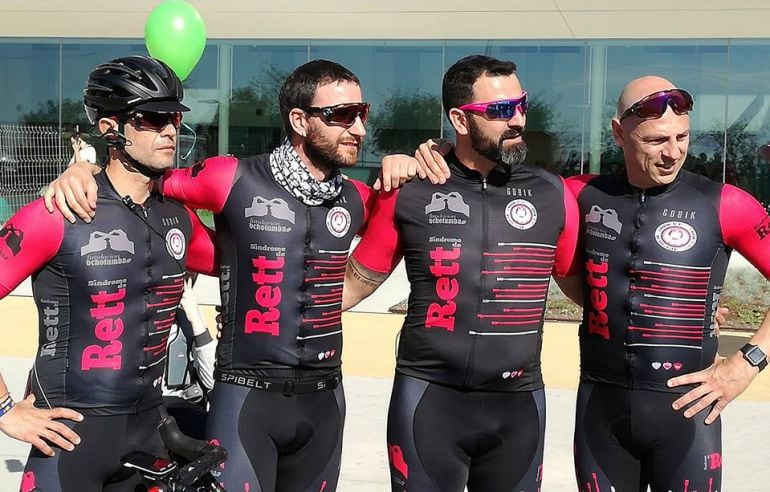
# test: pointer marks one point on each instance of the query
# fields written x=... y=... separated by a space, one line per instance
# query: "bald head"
x=639 y=88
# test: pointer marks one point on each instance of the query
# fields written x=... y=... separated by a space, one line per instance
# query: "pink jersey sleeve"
x=575 y=184
x=567 y=243
x=28 y=241
x=746 y=227
x=380 y=246
x=201 y=255
x=205 y=185
x=368 y=196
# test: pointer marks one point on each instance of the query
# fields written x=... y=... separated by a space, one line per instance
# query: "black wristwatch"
x=754 y=356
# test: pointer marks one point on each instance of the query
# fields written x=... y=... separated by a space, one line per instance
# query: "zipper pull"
x=643 y=196
x=144 y=211
x=484 y=184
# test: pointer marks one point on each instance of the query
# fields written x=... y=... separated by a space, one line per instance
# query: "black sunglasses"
x=155 y=122
x=342 y=114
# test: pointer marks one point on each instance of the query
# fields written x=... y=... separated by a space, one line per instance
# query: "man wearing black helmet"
x=285 y=221
x=106 y=292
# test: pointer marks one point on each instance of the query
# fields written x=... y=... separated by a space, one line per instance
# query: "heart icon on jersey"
x=656 y=365
x=506 y=375
x=667 y=365
x=677 y=365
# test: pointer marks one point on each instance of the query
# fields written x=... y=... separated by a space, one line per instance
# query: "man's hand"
x=396 y=170
x=718 y=385
x=430 y=156
x=74 y=191
x=39 y=427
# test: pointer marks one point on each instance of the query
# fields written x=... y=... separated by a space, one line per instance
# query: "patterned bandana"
x=291 y=173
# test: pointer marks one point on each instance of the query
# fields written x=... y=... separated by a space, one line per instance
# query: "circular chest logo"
x=521 y=214
x=338 y=221
x=676 y=236
x=175 y=243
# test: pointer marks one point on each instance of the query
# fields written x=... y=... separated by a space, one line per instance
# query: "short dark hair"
x=299 y=88
x=457 y=88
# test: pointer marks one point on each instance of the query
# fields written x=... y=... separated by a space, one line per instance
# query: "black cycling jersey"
x=479 y=254
x=282 y=265
x=654 y=264
x=106 y=293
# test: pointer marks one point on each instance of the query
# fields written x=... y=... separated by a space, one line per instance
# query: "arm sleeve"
x=746 y=227
x=575 y=184
x=380 y=246
x=28 y=241
x=201 y=254
x=204 y=354
x=205 y=185
x=566 y=246
x=368 y=197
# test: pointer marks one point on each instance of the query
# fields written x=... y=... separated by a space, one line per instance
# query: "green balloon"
x=175 y=34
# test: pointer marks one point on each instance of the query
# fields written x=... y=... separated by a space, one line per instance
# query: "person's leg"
x=509 y=451
x=685 y=454
x=229 y=416
x=95 y=464
x=424 y=446
x=604 y=452
x=310 y=461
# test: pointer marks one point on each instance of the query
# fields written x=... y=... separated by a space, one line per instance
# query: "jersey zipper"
x=480 y=299
x=304 y=294
x=629 y=304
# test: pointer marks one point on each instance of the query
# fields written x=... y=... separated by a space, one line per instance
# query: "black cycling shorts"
x=94 y=464
x=277 y=442
x=442 y=439
x=631 y=439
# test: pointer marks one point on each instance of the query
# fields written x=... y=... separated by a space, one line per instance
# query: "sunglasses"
x=654 y=105
x=342 y=114
x=155 y=122
x=500 y=110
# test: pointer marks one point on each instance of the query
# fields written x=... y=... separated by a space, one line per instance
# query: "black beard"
x=323 y=153
x=495 y=151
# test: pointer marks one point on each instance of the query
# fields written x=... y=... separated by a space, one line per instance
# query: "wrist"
x=754 y=356
x=6 y=403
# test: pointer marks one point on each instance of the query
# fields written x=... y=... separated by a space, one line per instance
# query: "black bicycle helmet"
x=132 y=83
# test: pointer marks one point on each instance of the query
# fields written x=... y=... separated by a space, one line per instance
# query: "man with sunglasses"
x=468 y=407
x=106 y=292
x=656 y=241
x=284 y=224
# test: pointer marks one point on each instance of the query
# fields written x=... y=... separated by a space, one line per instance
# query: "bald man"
x=656 y=240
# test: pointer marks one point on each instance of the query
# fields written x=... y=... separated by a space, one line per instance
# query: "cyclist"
x=106 y=291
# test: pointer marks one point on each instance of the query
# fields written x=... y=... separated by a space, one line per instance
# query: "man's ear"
x=298 y=121
x=617 y=132
x=106 y=124
x=459 y=121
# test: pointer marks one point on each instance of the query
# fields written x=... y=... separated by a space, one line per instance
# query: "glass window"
x=402 y=81
x=258 y=70
x=748 y=119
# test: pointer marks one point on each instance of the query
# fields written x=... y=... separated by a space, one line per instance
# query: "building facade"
x=573 y=58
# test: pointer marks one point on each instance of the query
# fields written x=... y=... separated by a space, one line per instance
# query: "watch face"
x=755 y=356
